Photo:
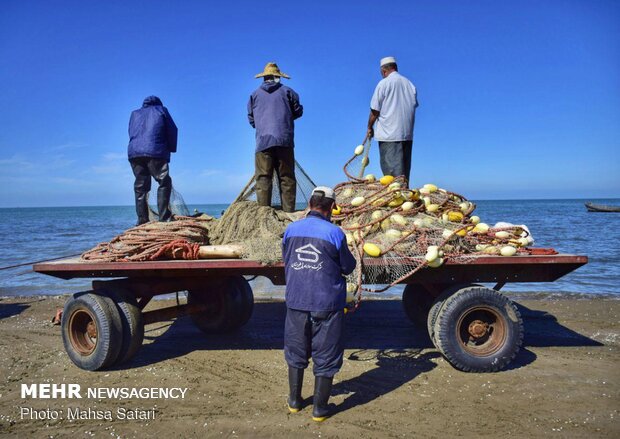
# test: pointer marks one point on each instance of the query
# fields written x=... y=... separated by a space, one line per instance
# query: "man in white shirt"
x=392 y=107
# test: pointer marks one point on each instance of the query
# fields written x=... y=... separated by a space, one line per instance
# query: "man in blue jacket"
x=272 y=109
x=316 y=258
x=152 y=137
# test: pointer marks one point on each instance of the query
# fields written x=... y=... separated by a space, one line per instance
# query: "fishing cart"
x=475 y=327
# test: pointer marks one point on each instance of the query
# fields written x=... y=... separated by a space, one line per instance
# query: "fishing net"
x=177 y=205
x=305 y=185
x=178 y=239
x=258 y=229
x=394 y=231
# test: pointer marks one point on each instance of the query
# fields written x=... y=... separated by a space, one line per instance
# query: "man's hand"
x=372 y=118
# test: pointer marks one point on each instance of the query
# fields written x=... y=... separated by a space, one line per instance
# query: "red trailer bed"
x=476 y=269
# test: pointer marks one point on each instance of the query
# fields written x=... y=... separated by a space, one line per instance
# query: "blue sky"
x=517 y=99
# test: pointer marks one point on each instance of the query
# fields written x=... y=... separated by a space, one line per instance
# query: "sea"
x=37 y=234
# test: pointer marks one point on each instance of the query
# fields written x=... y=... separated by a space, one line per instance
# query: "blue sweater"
x=316 y=257
x=152 y=132
x=272 y=109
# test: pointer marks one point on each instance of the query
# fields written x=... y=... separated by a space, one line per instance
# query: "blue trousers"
x=396 y=158
x=317 y=335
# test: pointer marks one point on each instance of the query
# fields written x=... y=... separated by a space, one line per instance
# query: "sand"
x=564 y=382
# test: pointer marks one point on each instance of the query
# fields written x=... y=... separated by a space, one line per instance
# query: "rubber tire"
x=417 y=302
x=438 y=303
x=132 y=321
x=446 y=332
x=235 y=301
x=109 y=330
x=247 y=300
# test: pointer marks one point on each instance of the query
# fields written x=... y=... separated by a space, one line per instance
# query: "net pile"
x=178 y=239
x=259 y=229
x=394 y=231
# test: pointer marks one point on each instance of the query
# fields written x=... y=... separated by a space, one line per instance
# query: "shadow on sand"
x=378 y=325
x=542 y=329
x=13 y=309
x=394 y=368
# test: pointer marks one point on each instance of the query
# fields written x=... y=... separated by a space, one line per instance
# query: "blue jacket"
x=272 y=109
x=152 y=132
x=316 y=257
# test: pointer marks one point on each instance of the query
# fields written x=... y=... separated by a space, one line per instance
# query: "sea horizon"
x=189 y=204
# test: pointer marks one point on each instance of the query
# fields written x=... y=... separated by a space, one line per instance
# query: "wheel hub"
x=91 y=329
x=481 y=331
x=478 y=329
x=83 y=332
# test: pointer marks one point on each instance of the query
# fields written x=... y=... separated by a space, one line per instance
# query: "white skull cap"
x=325 y=191
x=388 y=60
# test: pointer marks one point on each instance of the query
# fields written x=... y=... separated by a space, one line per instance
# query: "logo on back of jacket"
x=307 y=258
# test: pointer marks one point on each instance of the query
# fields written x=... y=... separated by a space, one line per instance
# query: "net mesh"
x=305 y=185
x=258 y=229
x=177 y=205
x=393 y=231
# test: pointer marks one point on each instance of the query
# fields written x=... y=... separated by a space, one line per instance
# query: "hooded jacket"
x=272 y=109
x=152 y=132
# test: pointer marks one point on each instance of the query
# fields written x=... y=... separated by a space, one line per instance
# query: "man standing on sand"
x=392 y=107
x=272 y=109
x=152 y=137
x=316 y=258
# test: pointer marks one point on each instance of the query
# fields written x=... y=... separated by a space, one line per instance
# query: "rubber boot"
x=163 y=202
x=322 y=389
x=295 y=381
x=142 y=208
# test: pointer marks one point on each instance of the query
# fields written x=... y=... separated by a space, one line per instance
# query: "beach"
x=563 y=383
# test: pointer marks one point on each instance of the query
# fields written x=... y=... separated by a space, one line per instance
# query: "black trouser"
x=317 y=335
x=396 y=158
x=282 y=160
x=143 y=169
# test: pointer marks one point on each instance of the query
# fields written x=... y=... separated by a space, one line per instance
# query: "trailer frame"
x=221 y=300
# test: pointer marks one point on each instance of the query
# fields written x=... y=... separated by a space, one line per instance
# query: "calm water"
x=32 y=234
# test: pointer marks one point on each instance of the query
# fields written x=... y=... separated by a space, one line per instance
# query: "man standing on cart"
x=272 y=110
x=152 y=138
x=392 y=118
x=316 y=258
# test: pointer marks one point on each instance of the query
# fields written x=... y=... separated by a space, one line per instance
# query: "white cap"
x=388 y=60
x=324 y=191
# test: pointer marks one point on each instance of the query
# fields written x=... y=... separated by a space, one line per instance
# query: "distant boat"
x=601 y=208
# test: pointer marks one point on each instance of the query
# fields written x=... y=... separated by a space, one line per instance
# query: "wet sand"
x=564 y=382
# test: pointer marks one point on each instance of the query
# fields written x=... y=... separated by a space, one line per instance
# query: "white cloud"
x=68 y=181
x=210 y=172
x=112 y=163
x=113 y=156
x=17 y=163
x=68 y=145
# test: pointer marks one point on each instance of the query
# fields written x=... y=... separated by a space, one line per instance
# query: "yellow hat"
x=272 y=69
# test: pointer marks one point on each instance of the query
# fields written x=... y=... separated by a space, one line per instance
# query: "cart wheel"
x=228 y=308
x=438 y=303
x=417 y=302
x=478 y=330
x=246 y=298
x=91 y=330
x=131 y=319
